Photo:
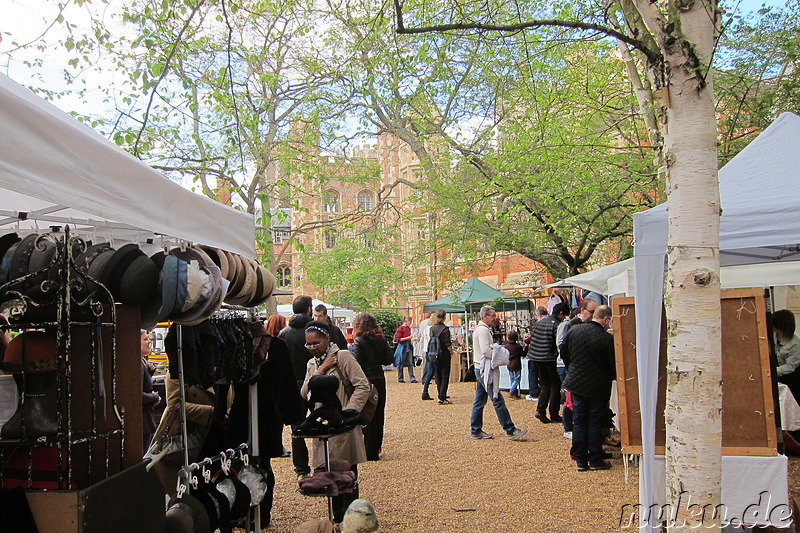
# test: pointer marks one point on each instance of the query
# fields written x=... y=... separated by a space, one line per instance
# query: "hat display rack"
x=187 y=477
x=47 y=300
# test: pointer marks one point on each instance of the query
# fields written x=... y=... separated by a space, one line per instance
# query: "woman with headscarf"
x=353 y=392
x=372 y=351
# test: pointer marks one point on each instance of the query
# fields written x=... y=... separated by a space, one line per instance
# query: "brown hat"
x=31 y=351
x=219 y=258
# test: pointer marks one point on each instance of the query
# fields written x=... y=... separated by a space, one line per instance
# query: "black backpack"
x=434 y=348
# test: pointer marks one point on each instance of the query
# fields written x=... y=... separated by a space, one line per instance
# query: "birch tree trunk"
x=694 y=358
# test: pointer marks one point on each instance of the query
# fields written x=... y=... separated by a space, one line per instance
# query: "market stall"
x=79 y=220
x=759 y=196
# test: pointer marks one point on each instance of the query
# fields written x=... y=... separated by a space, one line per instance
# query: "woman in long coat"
x=353 y=391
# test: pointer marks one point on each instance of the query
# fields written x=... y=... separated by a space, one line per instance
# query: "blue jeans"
x=587 y=428
x=427 y=375
x=476 y=419
x=407 y=361
x=514 y=376
x=533 y=379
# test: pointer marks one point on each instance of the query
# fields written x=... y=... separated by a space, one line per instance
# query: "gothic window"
x=365 y=201
x=330 y=239
x=330 y=201
x=284 y=277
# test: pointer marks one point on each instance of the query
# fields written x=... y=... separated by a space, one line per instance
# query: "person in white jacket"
x=482 y=346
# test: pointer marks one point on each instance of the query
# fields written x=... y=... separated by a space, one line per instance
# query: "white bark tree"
x=672 y=42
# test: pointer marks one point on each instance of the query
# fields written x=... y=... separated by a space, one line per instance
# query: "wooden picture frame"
x=748 y=419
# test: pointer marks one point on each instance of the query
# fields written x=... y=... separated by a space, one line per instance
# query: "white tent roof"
x=333 y=311
x=759 y=194
x=731 y=277
x=56 y=171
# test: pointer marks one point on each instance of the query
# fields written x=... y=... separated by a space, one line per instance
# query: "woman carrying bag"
x=372 y=352
x=327 y=358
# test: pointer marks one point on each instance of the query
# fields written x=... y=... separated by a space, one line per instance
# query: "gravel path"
x=434 y=478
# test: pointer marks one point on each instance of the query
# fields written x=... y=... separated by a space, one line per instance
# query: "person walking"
x=588 y=352
x=482 y=346
x=372 y=351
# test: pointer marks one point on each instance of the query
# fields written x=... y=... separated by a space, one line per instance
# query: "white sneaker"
x=531 y=398
x=568 y=435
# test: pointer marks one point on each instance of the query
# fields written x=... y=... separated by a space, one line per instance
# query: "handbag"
x=371 y=405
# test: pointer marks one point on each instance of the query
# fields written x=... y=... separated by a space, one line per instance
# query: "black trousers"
x=442 y=374
x=299 y=446
x=373 y=432
x=550 y=393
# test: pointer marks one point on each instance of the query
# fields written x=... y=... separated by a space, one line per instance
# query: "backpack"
x=434 y=348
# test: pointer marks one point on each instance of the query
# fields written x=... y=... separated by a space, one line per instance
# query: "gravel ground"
x=434 y=477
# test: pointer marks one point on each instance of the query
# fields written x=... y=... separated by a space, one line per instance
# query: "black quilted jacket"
x=588 y=353
x=543 y=346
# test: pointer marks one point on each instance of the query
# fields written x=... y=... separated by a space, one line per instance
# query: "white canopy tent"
x=618 y=278
x=760 y=195
x=333 y=311
x=56 y=171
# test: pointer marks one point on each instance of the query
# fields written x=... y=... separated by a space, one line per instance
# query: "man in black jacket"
x=544 y=353
x=588 y=352
x=337 y=337
x=294 y=334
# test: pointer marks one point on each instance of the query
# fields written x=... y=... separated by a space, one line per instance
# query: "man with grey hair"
x=482 y=346
x=533 y=377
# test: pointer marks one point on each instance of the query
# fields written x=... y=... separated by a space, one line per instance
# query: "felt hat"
x=131 y=276
x=216 y=505
x=256 y=481
x=245 y=294
x=31 y=351
x=265 y=284
x=169 y=285
x=241 y=502
x=235 y=275
x=42 y=255
x=187 y=515
x=9 y=246
x=219 y=258
x=204 y=286
x=21 y=257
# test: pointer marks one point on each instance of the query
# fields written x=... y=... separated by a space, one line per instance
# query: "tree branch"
x=652 y=55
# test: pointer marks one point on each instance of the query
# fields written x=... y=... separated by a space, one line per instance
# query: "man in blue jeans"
x=481 y=344
x=588 y=352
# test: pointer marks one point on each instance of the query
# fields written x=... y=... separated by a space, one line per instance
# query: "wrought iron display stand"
x=61 y=297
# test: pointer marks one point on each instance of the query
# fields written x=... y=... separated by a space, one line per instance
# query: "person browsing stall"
x=372 y=351
x=328 y=359
x=150 y=399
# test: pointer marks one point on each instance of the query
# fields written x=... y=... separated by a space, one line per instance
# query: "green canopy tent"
x=470 y=297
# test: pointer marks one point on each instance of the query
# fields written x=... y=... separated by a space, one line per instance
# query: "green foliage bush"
x=389 y=321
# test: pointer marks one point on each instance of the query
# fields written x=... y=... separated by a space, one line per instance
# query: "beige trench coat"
x=347 y=446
